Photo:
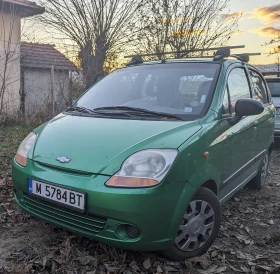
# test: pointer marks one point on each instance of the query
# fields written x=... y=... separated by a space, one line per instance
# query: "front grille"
x=89 y=224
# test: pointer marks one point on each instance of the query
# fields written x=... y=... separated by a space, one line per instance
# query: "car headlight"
x=27 y=143
x=144 y=169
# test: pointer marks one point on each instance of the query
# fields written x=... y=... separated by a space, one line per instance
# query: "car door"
x=264 y=123
x=237 y=141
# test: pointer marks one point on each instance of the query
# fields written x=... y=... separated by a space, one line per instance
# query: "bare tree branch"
x=176 y=25
x=99 y=27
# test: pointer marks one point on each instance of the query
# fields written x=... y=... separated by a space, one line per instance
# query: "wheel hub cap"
x=197 y=226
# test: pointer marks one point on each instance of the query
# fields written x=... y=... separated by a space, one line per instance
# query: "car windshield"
x=182 y=90
x=274 y=88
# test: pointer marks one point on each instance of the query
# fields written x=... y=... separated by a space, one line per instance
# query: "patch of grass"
x=10 y=139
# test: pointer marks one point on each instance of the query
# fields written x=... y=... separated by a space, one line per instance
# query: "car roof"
x=222 y=56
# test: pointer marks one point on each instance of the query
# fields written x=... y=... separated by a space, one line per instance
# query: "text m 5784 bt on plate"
x=66 y=197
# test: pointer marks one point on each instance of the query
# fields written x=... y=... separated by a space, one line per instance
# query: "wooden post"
x=52 y=90
x=71 y=89
x=22 y=92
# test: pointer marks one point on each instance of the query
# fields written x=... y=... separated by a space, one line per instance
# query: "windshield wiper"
x=80 y=109
x=139 y=111
x=87 y=110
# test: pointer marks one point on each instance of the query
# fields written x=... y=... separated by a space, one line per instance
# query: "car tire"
x=199 y=228
x=258 y=182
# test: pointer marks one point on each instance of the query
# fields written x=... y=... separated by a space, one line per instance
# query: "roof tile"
x=34 y=55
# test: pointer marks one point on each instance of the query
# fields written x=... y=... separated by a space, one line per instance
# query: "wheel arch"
x=271 y=148
x=211 y=185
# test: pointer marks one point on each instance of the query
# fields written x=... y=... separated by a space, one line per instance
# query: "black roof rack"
x=184 y=51
x=243 y=57
x=136 y=59
x=221 y=52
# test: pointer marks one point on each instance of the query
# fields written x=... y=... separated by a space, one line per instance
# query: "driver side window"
x=259 y=87
x=238 y=87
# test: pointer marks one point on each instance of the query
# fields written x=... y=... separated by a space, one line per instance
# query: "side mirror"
x=246 y=107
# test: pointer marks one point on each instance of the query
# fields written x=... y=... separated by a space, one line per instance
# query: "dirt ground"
x=248 y=242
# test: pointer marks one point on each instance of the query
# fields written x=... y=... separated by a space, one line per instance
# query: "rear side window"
x=259 y=88
x=238 y=87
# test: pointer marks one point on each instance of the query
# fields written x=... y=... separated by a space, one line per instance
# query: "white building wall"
x=37 y=87
x=9 y=61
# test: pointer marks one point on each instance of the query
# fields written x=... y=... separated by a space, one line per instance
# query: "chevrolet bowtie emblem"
x=63 y=159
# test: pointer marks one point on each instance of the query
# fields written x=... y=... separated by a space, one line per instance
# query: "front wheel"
x=199 y=227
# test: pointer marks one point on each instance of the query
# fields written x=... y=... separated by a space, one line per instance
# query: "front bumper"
x=157 y=212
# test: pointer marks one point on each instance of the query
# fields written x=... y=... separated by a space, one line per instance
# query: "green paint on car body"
x=99 y=144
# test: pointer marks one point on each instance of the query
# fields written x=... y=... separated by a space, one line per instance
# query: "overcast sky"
x=258 y=25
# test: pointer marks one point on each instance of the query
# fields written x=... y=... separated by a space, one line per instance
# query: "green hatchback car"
x=145 y=158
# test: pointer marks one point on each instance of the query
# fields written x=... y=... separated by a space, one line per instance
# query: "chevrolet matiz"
x=145 y=158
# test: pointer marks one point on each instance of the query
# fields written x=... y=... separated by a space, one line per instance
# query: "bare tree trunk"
x=9 y=59
x=52 y=91
x=93 y=62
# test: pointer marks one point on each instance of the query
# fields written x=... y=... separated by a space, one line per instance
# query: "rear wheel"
x=259 y=181
x=199 y=227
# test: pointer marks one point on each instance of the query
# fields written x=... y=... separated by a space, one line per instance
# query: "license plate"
x=59 y=195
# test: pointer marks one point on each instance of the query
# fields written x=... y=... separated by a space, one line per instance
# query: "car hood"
x=100 y=145
x=276 y=101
